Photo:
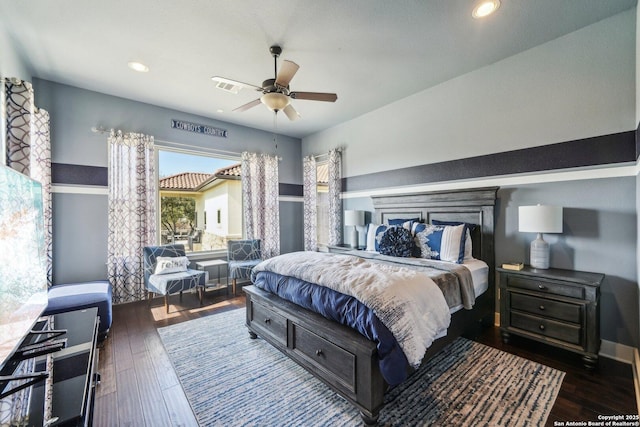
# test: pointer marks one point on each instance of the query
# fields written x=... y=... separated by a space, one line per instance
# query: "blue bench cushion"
x=78 y=296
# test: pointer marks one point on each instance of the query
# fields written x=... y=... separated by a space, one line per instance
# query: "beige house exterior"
x=218 y=205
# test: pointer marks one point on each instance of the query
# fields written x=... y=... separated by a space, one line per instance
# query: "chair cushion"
x=78 y=296
x=176 y=282
x=242 y=269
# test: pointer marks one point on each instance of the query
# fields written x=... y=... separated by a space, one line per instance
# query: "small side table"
x=342 y=249
x=203 y=265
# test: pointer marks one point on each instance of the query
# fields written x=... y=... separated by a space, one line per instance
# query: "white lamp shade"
x=540 y=219
x=353 y=218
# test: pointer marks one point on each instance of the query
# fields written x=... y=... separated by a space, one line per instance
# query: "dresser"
x=553 y=306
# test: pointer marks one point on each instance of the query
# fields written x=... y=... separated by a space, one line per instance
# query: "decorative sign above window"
x=195 y=127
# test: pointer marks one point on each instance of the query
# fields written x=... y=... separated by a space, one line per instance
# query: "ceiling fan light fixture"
x=485 y=8
x=275 y=101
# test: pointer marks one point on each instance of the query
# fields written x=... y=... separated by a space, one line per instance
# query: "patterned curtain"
x=261 y=206
x=132 y=212
x=26 y=144
x=310 y=192
x=335 y=203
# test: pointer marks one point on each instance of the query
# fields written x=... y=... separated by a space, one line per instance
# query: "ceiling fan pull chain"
x=275 y=128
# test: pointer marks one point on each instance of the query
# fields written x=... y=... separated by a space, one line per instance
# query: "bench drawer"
x=267 y=321
x=339 y=364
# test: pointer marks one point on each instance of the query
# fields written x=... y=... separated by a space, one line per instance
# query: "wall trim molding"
x=296 y=199
x=593 y=152
x=80 y=189
x=616 y=171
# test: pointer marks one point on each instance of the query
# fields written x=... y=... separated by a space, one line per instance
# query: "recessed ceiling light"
x=485 y=8
x=138 y=66
x=219 y=110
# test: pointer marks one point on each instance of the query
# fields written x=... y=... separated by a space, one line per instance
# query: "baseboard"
x=636 y=376
x=620 y=352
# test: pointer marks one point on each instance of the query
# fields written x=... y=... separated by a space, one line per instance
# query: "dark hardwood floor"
x=140 y=388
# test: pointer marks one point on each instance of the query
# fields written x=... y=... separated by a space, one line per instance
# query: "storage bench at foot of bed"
x=337 y=355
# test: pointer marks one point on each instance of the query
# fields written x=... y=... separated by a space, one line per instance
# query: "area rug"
x=232 y=380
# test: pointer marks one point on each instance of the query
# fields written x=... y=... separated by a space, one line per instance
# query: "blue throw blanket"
x=345 y=310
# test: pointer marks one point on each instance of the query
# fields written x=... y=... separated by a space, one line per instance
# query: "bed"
x=345 y=359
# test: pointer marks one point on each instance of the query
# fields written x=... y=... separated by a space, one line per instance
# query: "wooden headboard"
x=473 y=206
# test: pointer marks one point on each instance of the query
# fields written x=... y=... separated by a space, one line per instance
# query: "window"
x=189 y=186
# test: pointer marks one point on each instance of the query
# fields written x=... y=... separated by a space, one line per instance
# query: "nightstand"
x=557 y=307
x=340 y=249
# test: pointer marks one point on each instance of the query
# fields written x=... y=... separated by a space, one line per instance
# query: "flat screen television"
x=23 y=265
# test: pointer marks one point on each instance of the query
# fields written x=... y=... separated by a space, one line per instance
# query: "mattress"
x=480 y=277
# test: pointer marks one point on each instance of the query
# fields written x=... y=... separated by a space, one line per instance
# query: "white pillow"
x=468 y=246
x=166 y=265
x=371 y=237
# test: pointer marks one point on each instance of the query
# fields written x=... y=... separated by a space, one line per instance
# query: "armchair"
x=242 y=256
x=164 y=275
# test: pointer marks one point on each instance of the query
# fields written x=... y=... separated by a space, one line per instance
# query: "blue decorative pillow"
x=396 y=241
x=441 y=242
x=374 y=232
x=468 y=244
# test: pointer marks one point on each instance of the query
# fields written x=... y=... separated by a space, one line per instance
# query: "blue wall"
x=570 y=98
x=80 y=212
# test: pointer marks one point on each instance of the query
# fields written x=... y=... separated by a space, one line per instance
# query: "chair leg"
x=180 y=296
x=201 y=294
x=166 y=302
x=233 y=287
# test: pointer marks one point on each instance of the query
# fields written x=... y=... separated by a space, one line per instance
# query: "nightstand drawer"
x=545 y=307
x=269 y=322
x=538 y=325
x=546 y=287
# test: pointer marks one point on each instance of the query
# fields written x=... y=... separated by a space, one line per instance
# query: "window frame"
x=193 y=151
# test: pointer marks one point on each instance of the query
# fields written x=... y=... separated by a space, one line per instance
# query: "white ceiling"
x=369 y=52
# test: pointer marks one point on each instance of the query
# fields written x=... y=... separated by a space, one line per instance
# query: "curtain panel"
x=26 y=146
x=335 y=203
x=132 y=212
x=261 y=207
x=310 y=193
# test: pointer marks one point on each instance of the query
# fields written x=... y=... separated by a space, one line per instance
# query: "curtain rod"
x=182 y=146
x=319 y=156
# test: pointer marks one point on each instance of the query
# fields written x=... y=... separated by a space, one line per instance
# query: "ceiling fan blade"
x=248 y=105
x=314 y=96
x=288 y=69
x=291 y=112
x=231 y=85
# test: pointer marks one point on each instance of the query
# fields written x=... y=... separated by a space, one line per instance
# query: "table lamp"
x=540 y=219
x=355 y=219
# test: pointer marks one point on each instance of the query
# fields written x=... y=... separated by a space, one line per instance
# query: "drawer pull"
x=542 y=327
x=542 y=287
x=267 y=320
x=319 y=352
x=542 y=307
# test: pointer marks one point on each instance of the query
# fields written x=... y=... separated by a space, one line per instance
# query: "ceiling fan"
x=275 y=92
